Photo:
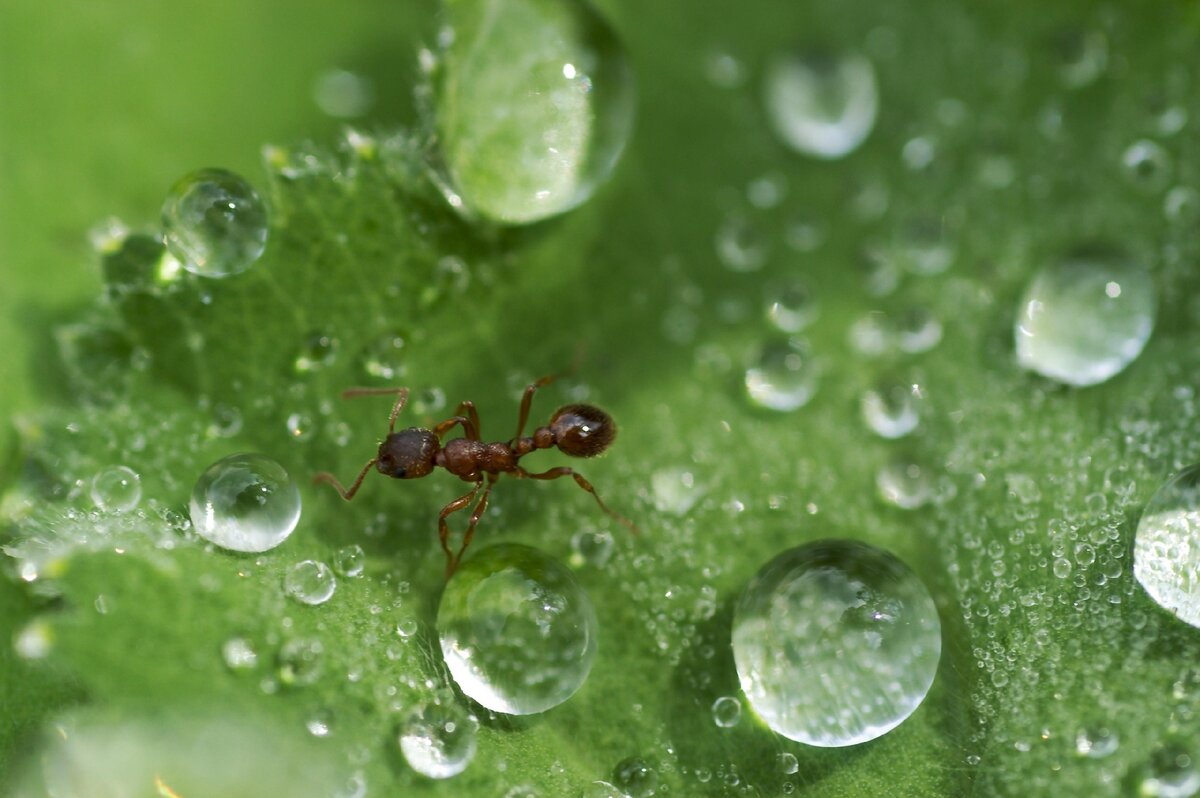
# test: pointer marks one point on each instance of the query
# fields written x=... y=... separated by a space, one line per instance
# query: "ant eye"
x=399 y=472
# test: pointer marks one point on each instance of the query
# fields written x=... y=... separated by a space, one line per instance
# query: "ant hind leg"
x=444 y=528
x=565 y=471
x=475 y=516
x=527 y=402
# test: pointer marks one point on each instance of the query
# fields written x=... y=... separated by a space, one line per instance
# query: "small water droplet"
x=138 y=263
x=310 y=582
x=1182 y=205
x=35 y=640
x=438 y=739
x=724 y=70
x=343 y=94
x=788 y=763
x=635 y=777
x=429 y=400
x=239 y=654
x=226 y=421
x=822 y=104
x=892 y=409
x=1096 y=742
x=836 y=643
x=320 y=723
x=904 y=484
x=245 y=502
x=591 y=547
x=517 y=631
x=1085 y=318
x=916 y=330
x=384 y=358
x=784 y=378
x=318 y=351
x=741 y=244
x=1147 y=165
x=1081 y=56
x=214 y=223
x=116 y=488
x=791 y=306
x=726 y=711
x=768 y=191
x=300 y=661
x=301 y=426
x=675 y=490
x=350 y=560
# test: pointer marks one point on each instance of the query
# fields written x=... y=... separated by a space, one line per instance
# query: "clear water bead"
x=726 y=711
x=1085 y=318
x=836 y=643
x=310 y=582
x=820 y=103
x=891 y=409
x=215 y=223
x=1166 y=546
x=517 y=630
x=438 y=739
x=904 y=484
x=350 y=560
x=245 y=502
x=116 y=488
x=532 y=103
x=784 y=377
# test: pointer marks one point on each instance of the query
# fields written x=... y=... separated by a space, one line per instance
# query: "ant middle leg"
x=475 y=516
x=527 y=402
x=401 y=400
x=346 y=494
x=444 y=528
x=565 y=471
x=470 y=427
x=467 y=407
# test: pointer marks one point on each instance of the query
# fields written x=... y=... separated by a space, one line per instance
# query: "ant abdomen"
x=582 y=430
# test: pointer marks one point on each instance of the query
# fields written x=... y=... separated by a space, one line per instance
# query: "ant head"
x=582 y=430
x=408 y=454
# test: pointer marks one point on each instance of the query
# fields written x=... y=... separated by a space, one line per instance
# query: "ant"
x=578 y=430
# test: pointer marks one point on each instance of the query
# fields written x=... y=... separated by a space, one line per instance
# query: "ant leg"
x=527 y=401
x=325 y=476
x=475 y=516
x=444 y=528
x=468 y=407
x=469 y=428
x=401 y=399
x=564 y=471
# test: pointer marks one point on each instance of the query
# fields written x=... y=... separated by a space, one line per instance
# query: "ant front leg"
x=564 y=471
x=527 y=402
x=444 y=528
x=401 y=400
x=467 y=407
x=470 y=427
x=346 y=494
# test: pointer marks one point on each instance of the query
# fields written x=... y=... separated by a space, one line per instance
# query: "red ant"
x=577 y=430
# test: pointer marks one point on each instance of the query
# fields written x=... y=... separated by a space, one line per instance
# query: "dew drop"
x=310 y=582
x=226 y=421
x=300 y=661
x=791 y=306
x=320 y=723
x=784 y=377
x=350 y=560
x=1096 y=742
x=517 y=631
x=245 y=502
x=601 y=789
x=788 y=763
x=726 y=711
x=301 y=426
x=1170 y=773
x=741 y=244
x=343 y=94
x=1166 y=547
x=724 y=70
x=916 y=330
x=1147 y=165
x=635 y=777
x=891 y=409
x=820 y=103
x=532 y=103
x=904 y=484
x=836 y=643
x=1085 y=318
x=1081 y=56
x=383 y=359
x=318 y=351
x=214 y=223
x=591 y=547
x=116 y=488
x=34 y=640
x=675 y=490
x=138 y=263
x=438 y=739
x=239 y=654
x=1182 y=205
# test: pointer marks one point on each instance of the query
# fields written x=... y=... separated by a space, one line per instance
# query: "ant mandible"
x=578 y=430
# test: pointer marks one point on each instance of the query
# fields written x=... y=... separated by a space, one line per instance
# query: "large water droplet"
x=245 y=502
x=215 y=223
x=1170 y=773
x=438 y=739
x=836 y=643
x=117 y=488
x=784 y=378
x=822 y=104
x=1166 y=548
x=310 y=582
x=517 y=631
x=532 y=105
x=1085 y=318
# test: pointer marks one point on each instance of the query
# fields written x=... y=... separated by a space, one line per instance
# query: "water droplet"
x=601 y=789
x=923 y=249
x=310 y=582
x=788 y=763
x=383 y=359
x=301 y=426
x=591 y=547
x=1096 y=742
x=239 y=654
x=1085 y=318
x=803 y=233
x=429 y=400
x=517 y=631
x=532 y=105
x=917 y=330
x=724 y=70
x=635 y=777
x=741 y=244
x=226 y=421
x=215 y=223
x=138 y=263
x=1147 y=165
x=245 y=502
x=300 y=661
x=1081 y=56
x=784 y=378
x=891 y=409
x=675 y=490
x=35 y=640
x=836 y=643
x=350 y=560
x=1166 y=548
x=116 y=488
x=726 y=711
x=767 y=191
x=406 y=628
x=1170 y=773
x=438 y=739
x=822 y=104
x=343 y=94
x=318 y=351
x=904 y=484
x=1182 y=205
x=791 y=306
x=320 y=723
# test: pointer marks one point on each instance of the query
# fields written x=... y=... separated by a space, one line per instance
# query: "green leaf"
x=992 y=133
